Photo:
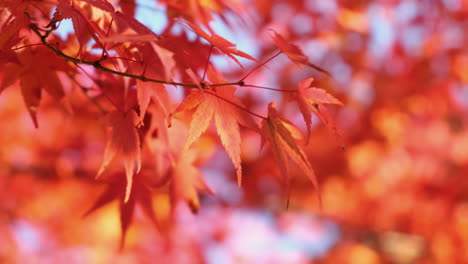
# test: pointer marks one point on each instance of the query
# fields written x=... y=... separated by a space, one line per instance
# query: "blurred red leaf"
x=125 y=141
x=314 y=99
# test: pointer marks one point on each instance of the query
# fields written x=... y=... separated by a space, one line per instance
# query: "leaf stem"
x=27 y=46
x=236 y=105
x=258 y=66
x=268 y=88
x=207 y=63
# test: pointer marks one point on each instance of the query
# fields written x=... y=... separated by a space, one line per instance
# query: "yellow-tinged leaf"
x=200 y=121
x=144 y=92
x=228 y=131
x=226 y=122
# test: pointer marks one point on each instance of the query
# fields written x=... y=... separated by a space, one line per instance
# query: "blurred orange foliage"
x=397 y=194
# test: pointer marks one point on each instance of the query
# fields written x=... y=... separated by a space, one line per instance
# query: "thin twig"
x=104 y=53
x=97 y=65
x=120 y=58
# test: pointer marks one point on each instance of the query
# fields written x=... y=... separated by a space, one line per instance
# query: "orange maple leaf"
x=221 y=104
x=209 y=104
x=125 y=141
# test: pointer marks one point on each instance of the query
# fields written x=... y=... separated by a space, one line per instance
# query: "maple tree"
x=343 y=122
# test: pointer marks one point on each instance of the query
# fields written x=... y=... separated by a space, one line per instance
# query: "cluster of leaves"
x=131 y=73
x=180 y=125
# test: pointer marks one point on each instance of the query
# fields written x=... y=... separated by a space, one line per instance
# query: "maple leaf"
x=221 y=43
x=187 y=181
x=132 y=23
x=167 y=60
x=123 y=140
x=128 y=7
x=314 y=99
x=157 y=140
x=159 y=61
x=284 y=146
x=101 y=4
x=37 y=70
x=84 y=28
x=14 y=16
x=175 y=162
x=208 y=106
x=6 y=52
x=116 y=190
x=10 y=37
x=293 y=52
x=220 y=104
x=185 y=60
x=146 y=90
x=201 y=10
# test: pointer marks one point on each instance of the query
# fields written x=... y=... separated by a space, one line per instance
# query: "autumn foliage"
x=229 y=131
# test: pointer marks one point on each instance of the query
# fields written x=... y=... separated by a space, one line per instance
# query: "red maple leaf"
x=83 y=26
x=187 y=180
x=314 y=99
x=37 y=70
x=117 y=190
x=179 y=165
x=221 y=43
x=276 y=131
x=293 y=52
x=124 y=141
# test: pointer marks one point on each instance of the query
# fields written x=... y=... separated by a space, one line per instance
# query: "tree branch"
x=97 y=64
